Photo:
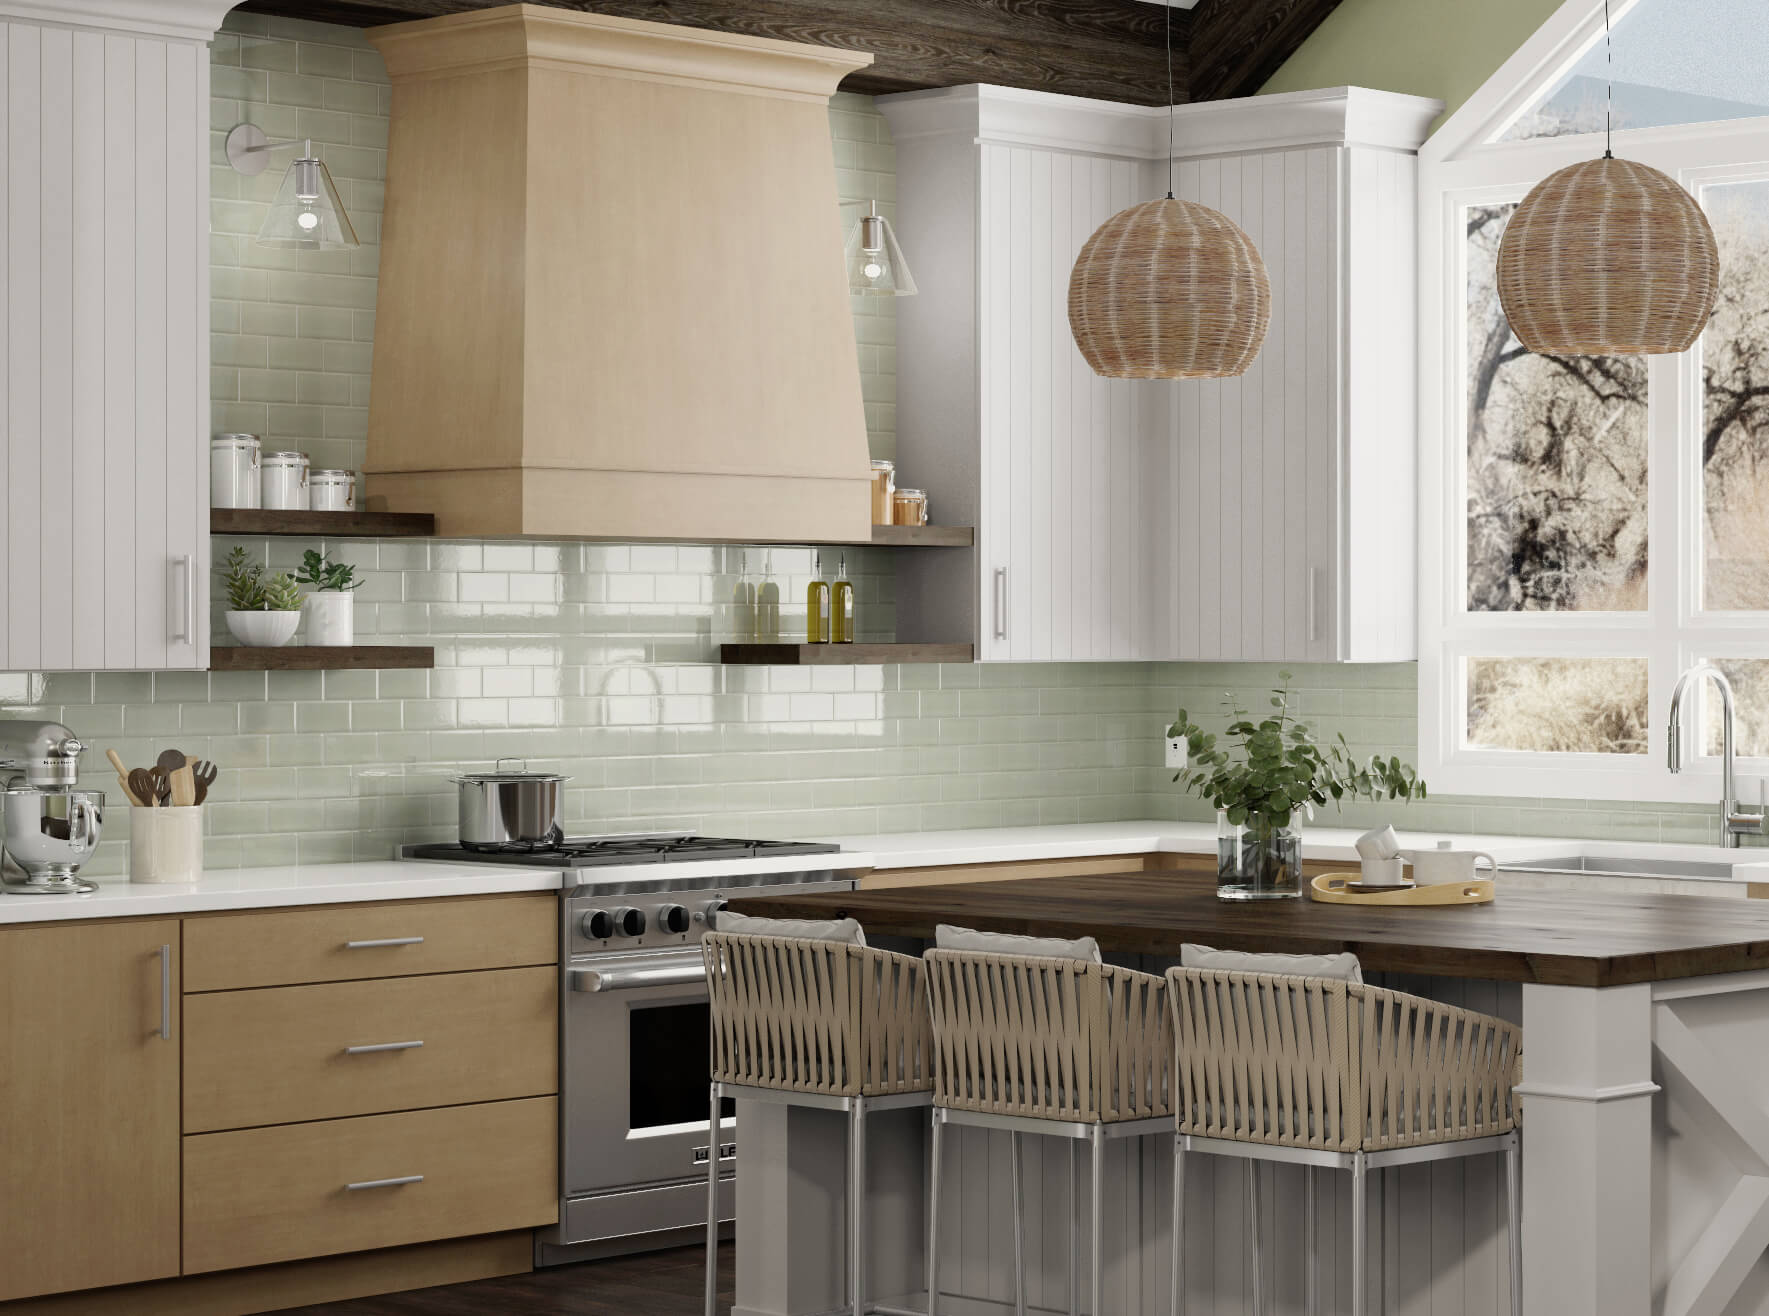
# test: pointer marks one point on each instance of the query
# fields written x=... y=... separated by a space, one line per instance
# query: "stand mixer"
x=48 y=830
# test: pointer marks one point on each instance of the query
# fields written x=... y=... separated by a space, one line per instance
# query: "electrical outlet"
x=1177 y=751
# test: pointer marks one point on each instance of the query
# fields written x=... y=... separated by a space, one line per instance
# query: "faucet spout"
x=1730 y=820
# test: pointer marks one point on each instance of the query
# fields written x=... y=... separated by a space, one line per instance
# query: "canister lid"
x=333 y=475
x=234 y=441
x=296 y=457
x=880 y=464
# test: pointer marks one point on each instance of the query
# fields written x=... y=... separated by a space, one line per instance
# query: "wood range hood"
x=612 y=297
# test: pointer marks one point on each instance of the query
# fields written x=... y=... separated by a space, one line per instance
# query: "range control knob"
x=630 y=922
x=597 y=925
x=672 y=919
x=709 y=915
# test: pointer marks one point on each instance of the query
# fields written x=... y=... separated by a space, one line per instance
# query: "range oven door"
x=635 y=1060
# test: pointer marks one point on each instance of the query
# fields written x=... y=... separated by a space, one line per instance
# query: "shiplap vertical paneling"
x=1279 y=480
x=1228 y=199
x=1114 y=551
x=1041 y=326
x=1256 y=524
x=1211 y=529
x=996 y=348
x=1083 y=607
x=1290 y=319
x=1062 y=248
x=1188 y=494
x=103 y=220
x=1324 y=401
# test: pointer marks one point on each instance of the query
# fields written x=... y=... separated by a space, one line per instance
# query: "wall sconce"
x=306 y=214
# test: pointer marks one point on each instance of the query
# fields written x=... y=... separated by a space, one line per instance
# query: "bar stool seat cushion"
x=948 y=936
x=1343 y=967
x=845 y=930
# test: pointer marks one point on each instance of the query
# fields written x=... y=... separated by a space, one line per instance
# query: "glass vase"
x=1262 y=863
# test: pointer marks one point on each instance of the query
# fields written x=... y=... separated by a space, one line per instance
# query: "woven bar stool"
x=1325 y=1072
x=828 y=1024
x=1055 y=1046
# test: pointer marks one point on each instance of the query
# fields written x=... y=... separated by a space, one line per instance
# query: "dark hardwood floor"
x=651 y=1284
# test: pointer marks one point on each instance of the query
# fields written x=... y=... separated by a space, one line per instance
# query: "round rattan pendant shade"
x=1608 y=258
x=1169 y=290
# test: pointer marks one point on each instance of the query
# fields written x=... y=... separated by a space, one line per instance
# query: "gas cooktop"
x=607 y=851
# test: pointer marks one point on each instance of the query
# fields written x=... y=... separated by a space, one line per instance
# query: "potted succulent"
x=331 y=618
x=263 y=609
x=1275 y=769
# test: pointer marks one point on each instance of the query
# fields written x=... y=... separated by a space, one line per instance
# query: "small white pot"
x=331 y=618
x=263 y=629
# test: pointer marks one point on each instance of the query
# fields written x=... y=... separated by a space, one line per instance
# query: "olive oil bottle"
x=768 y=603
x=841 y=605
x=817 y=605
x=743 y=603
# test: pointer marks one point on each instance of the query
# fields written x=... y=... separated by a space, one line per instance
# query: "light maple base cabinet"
x=89 y=1111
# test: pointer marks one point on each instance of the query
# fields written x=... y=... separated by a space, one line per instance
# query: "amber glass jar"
x=909 y=507
x=884 y=483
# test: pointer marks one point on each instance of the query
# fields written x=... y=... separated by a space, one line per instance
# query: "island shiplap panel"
x=103 y=429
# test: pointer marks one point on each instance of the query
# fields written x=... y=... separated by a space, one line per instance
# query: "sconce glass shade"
x=876 y=267
x=307 y=214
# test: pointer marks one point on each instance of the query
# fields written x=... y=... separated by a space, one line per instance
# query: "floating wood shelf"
x=923 y=536
x=309 y=657
x=336 y=525
x=842 y=655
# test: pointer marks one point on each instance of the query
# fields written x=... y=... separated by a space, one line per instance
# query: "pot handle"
x=498 y=764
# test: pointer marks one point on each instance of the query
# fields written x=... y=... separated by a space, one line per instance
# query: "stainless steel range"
x=633 y=1024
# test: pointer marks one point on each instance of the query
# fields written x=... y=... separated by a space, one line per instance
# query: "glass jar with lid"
x=909 y=507
x=233 y=470
x=884 y=481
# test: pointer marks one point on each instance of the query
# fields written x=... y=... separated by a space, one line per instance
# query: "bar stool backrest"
x=1334 y=1066
x=1053 y=1039
x=816 y=1016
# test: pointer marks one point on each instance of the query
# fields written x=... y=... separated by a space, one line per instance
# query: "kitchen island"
x=1646 y=1146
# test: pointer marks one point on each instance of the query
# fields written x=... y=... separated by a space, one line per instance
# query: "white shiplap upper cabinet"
x=1264 y=518
x=104 y=331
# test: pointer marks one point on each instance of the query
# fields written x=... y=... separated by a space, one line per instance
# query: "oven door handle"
x=676 y=969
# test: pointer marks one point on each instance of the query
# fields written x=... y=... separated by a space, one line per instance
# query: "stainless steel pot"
x=511 y=810
x=48 y=835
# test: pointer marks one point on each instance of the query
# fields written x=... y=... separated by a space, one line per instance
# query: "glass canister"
x=909 y=507
x=884 y=481
x=332 y=491
x=285 y=482
x=233 y=470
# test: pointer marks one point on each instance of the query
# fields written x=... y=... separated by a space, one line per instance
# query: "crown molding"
x=188 y=20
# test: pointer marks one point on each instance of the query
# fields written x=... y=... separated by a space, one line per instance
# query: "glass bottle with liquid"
x=768 y=603
x=817 y=605
x=743 y=603
x=841 y=605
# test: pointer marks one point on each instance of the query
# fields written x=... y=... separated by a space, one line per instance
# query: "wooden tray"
x=1329 y=888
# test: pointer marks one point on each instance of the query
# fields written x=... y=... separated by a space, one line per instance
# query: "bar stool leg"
x=1514 y=1221
x=857 y=1208
x=1098 y=1139
x=1019 y=1229
x=1360 y=1207
x=933 y=1215
x=1176 y=1305
x=1074 y=1234
x=1311 y=1278
x=1257 y=1233
x=712 y=1204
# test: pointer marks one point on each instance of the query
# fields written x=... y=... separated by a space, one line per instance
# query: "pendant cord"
x=1169 y=36
x=1609 y=87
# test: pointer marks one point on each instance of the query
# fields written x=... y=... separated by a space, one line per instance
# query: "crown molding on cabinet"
x=1009 y=116
x=189 y=20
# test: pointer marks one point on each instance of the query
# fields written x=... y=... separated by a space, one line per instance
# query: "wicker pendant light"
x=1169 y=289
x=1608 y=258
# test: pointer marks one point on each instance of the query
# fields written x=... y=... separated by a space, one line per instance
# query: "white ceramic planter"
x=263 y=630
x=331 y=618
x=166 y=845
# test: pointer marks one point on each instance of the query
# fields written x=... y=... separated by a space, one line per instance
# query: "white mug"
x=1381 y=843
x=1384 y=872
x=1443 y=864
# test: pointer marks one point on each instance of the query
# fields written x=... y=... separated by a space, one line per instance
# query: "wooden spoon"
x=144 y=786
x=169 y=762
x=122 y=777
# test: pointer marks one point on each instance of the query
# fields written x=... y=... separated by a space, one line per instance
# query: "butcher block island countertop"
x=1562 y=938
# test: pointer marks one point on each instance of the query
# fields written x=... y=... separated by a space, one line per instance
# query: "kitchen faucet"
x=1735 y=820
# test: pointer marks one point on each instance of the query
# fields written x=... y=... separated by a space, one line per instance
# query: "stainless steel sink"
x=1606 y=865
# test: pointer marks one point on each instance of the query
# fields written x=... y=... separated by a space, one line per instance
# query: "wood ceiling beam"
x=1236 y=45
x=1105 y=49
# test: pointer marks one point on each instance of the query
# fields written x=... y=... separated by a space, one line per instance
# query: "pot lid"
x=499 y=775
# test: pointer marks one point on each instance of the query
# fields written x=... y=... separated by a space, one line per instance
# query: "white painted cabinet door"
x=104 y=317
x=1067 y=459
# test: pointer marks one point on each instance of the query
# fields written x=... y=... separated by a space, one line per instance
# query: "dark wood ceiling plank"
x=1236 y=45
x=1105 y=49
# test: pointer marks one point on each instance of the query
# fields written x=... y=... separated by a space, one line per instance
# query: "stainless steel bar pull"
x=1001 y=603
x=379 y=942
x=399 y=1182
x=165 y=954
x=377 y=1047
x=184 y=614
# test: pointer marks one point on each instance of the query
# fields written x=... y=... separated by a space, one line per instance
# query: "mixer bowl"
x=48 y=835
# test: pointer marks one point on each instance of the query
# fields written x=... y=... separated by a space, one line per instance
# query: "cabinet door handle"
x=1314 y=612
x=165 y=954
x=379 y=942
x=381 y=1046
x=383 y=1183
x=186 y=616
x=1001 y=603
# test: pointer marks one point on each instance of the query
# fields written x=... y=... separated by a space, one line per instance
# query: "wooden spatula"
x=144 y=785
x=122 y=777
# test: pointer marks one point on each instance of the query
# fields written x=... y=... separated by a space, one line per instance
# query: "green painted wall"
x=1441 y=48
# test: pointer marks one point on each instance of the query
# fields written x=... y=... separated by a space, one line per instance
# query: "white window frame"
x=1459 y=166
